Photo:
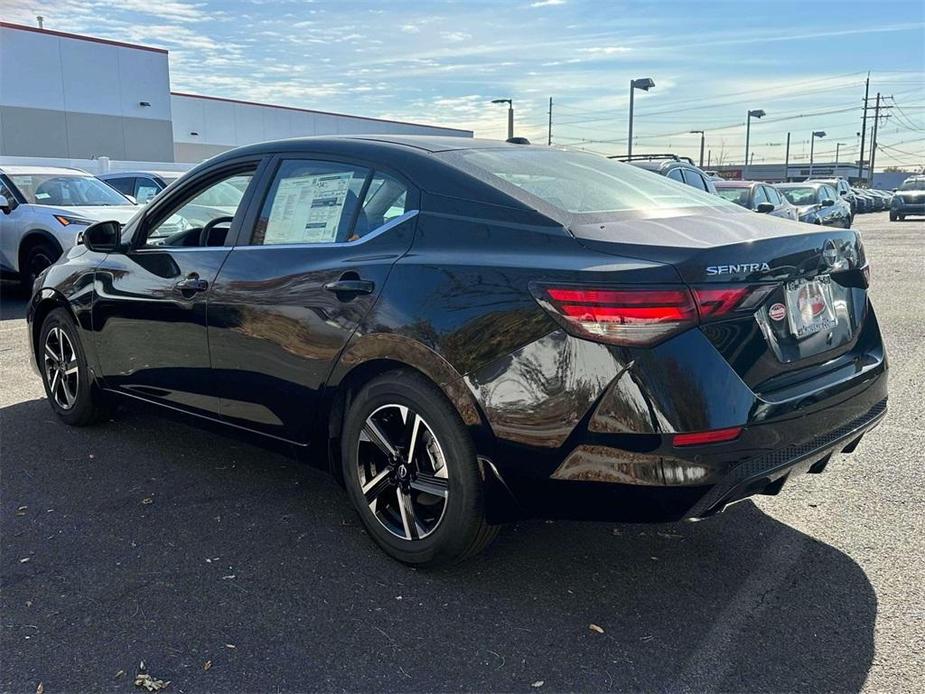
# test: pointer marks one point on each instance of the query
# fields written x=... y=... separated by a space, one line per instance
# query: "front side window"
x=577 y=182
x=760 y=197
x=694 y=179
x=217 y=204
x=125 y=185
x=675 y=175
x=66 y=190
x=313 y=202
x=773 y=195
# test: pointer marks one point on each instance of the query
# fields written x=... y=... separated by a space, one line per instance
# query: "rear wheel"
x=67 y=380
x=893 y=216
x=37 y=257
x=411 y=472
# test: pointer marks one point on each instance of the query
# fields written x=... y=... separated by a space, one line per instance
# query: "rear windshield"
x=799 y=196
x=577 y=182
x=66 y=190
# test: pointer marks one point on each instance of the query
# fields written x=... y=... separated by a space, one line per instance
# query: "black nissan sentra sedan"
x=468 y=332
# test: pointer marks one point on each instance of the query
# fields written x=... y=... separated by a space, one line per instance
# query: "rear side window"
x=146 y=189
x=326 y=202
x=675 y=175
x=576 y=182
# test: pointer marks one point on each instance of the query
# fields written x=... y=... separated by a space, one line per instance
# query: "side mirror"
x=5 y=206
x=765 y=207
x=828 y=202
x=103 y=237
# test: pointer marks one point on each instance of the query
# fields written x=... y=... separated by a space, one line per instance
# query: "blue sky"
x=441 y=62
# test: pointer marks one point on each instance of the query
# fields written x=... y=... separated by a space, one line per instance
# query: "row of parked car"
x=826 y=201
x=43 y=208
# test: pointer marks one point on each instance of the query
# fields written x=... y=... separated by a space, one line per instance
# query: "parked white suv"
x=44 y=209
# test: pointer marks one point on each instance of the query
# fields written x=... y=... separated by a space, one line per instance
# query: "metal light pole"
x=837 y=150
x=703 y=139
x=755 y=113
x=787 y=161
x=645 y=84
x=510 y=115
x=812 y=141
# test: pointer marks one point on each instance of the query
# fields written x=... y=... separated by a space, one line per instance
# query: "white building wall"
x=221 y=124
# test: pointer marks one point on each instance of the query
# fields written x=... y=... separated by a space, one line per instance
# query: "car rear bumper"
x=607 y=466
x=918 y=208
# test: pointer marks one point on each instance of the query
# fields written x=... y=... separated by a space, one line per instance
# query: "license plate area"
x=810 y=306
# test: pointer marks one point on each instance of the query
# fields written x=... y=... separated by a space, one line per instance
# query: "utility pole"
x=787 y=161
x=863 y=128
x=873 y=142
x=549 y=128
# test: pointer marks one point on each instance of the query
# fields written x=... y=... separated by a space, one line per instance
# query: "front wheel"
x=411 y=472
x=36 y=258
x=893 y=216
x=65 y=375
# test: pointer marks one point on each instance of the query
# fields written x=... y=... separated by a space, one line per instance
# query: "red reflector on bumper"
x=699 y=438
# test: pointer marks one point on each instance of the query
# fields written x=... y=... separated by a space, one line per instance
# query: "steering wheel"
x=207 y=229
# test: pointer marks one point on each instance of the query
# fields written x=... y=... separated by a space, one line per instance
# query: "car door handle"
x=192 y=283
x=350 y=286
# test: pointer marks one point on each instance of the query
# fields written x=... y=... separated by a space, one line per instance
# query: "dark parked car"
x=140 y=185
x=759 y=197
x=681 y=169
x=467 y=332
x=818 y=203
x=908 y=199
x=843 y=188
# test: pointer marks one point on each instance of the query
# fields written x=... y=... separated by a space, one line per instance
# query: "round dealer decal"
x=777 y=312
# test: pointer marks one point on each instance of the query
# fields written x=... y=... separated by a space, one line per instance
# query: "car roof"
x=120 y=174
x=805 y=184
x=737 y=184
x=53 y=170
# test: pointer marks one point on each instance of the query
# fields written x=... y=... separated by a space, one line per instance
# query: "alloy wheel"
x=402 y=472
x=61 y=369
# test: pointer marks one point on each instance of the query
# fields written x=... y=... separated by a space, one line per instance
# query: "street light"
x=812 y=141
x=755 y=113
x=510 y=115
x=703 y=138
x=645 y=84
x=837 y=148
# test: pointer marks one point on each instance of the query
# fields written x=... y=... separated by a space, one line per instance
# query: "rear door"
x=306 y=270
x=149 y=313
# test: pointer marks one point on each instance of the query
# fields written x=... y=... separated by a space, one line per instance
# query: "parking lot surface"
x=146 y=539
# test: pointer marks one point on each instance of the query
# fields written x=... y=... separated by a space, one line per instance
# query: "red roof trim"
x=79 y=37
x=311 y=110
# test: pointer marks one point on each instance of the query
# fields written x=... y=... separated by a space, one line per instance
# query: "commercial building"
x=777 y=173
x=66 y=96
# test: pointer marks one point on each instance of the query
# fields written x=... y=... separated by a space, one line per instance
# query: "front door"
x=149 y=312
x=292 y=292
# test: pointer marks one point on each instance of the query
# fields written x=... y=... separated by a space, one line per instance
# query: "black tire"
x=461 y=530
x=36 y=258
x=893 y=216
x=73 y=397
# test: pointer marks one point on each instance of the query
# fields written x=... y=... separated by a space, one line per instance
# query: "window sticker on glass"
x=308 y=209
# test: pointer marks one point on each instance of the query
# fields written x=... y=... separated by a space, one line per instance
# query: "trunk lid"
x=814 y=292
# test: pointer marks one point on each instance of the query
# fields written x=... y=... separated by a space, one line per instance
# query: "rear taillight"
x=642 y=316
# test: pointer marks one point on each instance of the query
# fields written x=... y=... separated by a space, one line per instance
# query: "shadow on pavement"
x=150 y=540
x=13 y=301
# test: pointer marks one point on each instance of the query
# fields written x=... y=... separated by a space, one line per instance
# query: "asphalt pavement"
x=227 y=567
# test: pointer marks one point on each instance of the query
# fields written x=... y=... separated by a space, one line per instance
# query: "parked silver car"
x=44 y=209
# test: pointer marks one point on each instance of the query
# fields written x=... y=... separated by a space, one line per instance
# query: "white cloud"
x=547 y=3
